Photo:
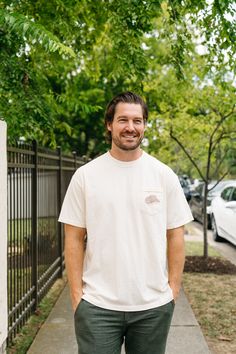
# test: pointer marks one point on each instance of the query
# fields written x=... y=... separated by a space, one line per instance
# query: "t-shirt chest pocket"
x=151 y=202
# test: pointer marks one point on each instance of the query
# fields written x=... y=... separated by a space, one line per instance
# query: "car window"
x=226 y=193
x=199 y=188
x=217 y=188
x=233 y=195
x=183 y=183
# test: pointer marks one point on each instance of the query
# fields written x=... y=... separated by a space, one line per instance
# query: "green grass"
x=19 y=229
x=17 y=280
x=27 y=334
x=196 y=249
x=212 y=298
x=213 y=301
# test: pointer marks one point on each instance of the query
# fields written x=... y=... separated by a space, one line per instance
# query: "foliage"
x=48 y=96
x=189 y=127
x=58 y=98
x=201 y=127
x=211 y=25
x=26 y=98
x=17 y=23
x=190 y=111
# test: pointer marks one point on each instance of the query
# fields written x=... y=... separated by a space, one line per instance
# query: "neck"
x=125 y=155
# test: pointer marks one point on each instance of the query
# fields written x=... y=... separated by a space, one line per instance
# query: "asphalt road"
x=195 y=232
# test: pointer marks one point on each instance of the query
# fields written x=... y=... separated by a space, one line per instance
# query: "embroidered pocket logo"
x=152 y=199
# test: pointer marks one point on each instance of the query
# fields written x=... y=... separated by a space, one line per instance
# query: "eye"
x=138 y=121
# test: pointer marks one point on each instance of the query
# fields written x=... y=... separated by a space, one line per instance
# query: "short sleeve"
x=178 y=210
x=73 y=207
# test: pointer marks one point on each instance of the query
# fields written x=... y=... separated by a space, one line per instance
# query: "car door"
x=230 y=216
x=196 y=202
x=222 y=211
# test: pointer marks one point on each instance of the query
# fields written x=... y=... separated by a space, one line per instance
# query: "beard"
x=127 y=146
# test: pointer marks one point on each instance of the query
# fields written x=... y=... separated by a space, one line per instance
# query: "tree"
x=26 y=100
x=210 y=25
x=40 y=89
x=191 y=113
x=37 y=86
x=212 y=128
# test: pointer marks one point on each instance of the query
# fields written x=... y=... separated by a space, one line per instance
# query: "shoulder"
x=161 y=167
x=92 y=165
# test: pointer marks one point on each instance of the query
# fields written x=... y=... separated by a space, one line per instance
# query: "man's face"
x=127 y=127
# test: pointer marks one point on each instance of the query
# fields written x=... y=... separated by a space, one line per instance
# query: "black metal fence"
x=37 y=181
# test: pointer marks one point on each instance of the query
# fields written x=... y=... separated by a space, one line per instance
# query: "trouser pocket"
x=78 y=307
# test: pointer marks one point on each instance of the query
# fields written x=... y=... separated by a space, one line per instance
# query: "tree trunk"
x=205 y=222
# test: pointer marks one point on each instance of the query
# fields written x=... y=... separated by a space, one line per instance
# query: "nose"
x=130 y=125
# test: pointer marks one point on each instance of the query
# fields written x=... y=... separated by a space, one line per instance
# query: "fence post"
x=3 y=238
x=34 y=226
x=75 y=164
x=59 y=193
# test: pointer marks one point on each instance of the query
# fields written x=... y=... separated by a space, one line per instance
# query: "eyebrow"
x=137 y=117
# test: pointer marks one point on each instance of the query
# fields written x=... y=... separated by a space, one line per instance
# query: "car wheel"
x=209 y=226
x=216 y=236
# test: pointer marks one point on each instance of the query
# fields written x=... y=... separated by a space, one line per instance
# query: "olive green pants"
x=101 y=331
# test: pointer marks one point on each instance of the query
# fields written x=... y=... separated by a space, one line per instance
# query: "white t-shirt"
x=126 y=208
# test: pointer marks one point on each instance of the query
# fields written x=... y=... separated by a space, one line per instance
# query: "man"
x=132 y=209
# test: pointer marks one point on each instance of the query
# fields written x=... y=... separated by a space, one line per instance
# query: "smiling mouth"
x=129 y=136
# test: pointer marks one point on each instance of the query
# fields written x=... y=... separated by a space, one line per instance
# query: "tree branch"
x=222 y=137
x=219 y=180
x=223 y=118
x=220 y=162
x=186 y=153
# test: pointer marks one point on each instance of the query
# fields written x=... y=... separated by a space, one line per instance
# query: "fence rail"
x=37 y=182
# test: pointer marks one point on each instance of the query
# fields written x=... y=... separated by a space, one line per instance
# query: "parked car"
x=223 y=214
x=185 y=184
x=197 y=199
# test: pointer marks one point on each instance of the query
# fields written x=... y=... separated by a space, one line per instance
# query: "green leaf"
x=23 y=27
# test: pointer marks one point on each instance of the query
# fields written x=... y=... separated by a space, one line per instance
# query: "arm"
x=74 y=257
x=176 y=258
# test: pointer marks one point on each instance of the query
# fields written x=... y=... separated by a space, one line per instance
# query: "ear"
x=109 y=124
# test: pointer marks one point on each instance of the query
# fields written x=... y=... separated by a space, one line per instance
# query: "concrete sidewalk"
x=56 y=336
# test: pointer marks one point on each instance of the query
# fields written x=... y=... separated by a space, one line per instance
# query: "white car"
x=223 y=215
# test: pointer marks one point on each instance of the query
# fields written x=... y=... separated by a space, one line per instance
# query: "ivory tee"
x=126 y=208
